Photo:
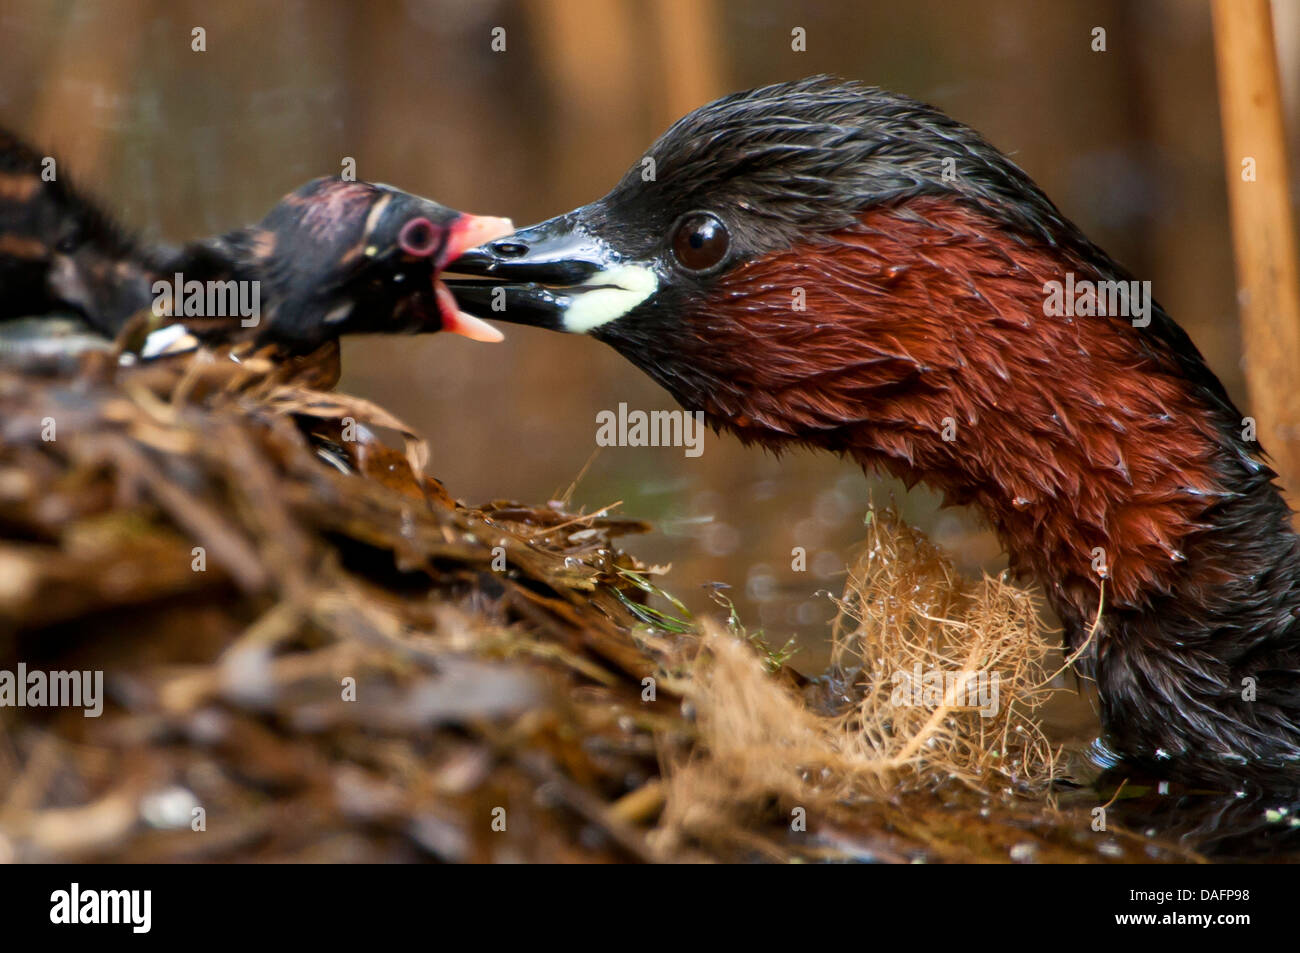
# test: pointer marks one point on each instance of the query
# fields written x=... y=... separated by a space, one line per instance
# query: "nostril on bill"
x=509 y=249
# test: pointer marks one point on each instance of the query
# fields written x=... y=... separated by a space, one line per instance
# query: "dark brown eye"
x=700 y=241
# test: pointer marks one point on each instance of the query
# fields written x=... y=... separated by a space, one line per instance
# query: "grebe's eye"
x=418 y=237
x=700 y=241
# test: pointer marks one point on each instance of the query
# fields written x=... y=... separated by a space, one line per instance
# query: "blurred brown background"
x=183 y=144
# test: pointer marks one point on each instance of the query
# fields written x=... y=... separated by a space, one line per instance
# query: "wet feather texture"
x=884 y=297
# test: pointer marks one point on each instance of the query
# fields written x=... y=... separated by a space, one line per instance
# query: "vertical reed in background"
x=1254 y=144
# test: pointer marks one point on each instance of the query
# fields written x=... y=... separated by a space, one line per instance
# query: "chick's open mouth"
x=468 y=231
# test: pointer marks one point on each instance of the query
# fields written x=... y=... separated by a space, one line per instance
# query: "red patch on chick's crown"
x=333 y=204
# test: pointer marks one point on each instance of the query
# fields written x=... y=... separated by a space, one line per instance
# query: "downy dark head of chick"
x=829 y=264
x=341 y=257
x=333 y=257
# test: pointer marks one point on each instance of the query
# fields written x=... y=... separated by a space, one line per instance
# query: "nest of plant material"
x=311 y=652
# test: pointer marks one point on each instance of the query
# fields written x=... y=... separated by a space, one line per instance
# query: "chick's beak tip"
x=456 y=321
x=470 y=231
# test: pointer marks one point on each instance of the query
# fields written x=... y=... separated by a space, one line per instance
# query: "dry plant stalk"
x=1263 y=229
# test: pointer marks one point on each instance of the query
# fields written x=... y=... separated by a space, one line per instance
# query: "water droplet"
x=1024 y=852
x=1110 y=849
